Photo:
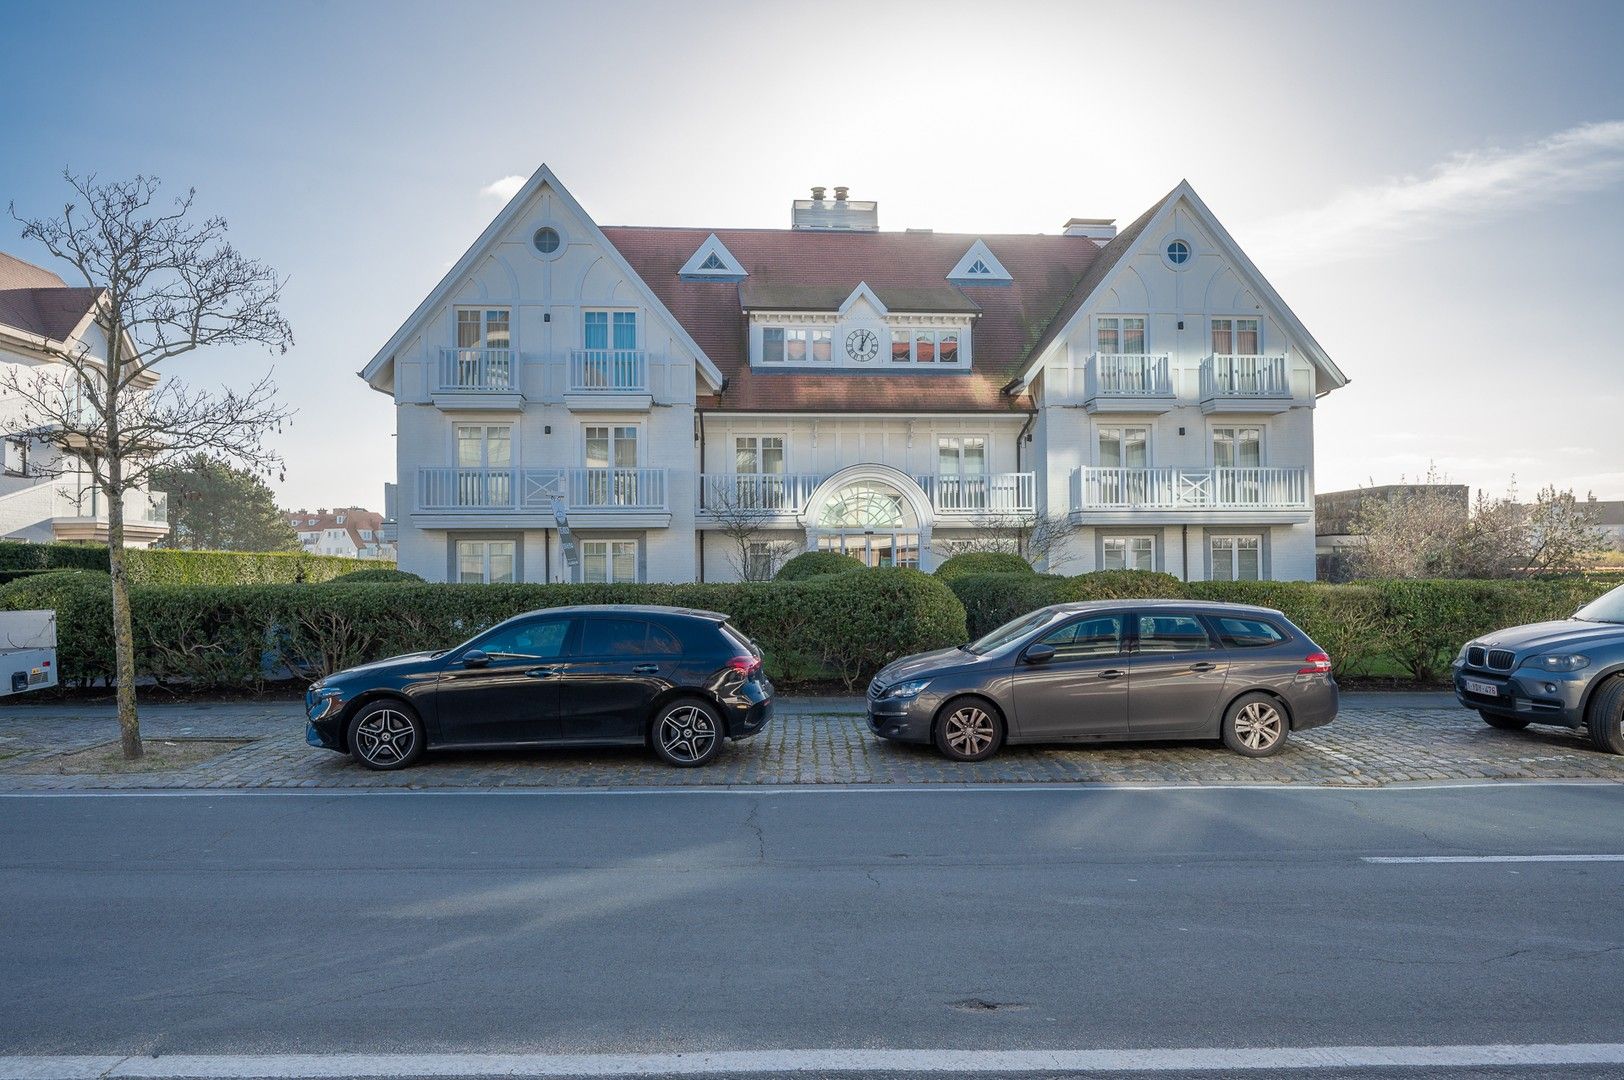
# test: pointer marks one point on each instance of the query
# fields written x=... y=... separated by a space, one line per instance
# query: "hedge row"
x=1416 y=625
x=843 y=626
x=157 y=566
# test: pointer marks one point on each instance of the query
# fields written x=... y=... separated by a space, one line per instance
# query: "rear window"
x=1171 y=633
x=738 y=637
x=1238 y=633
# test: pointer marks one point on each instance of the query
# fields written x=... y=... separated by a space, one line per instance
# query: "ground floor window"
x=874 y=548
x=486 y=561
x=1129 y=553
x=1237 y=558
x=759 y=560
x=608 y=562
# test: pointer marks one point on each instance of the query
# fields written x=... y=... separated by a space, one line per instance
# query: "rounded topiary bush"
x=374 y=574
x=968 y=563
x=817 y=564
x=83 y=602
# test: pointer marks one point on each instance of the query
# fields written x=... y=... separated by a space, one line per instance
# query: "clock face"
x=862 y=345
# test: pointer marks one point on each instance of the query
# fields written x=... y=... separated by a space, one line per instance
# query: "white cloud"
x=1469 y=187
x=503 y=189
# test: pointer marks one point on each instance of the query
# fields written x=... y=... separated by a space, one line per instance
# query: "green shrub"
x=1123 y=585
x=83 y=602
x=970 y=563
x=1347 y=621
x=377 y=574
x=817 y=564
x=15 y=555
x=991 y=600
x=163 y=566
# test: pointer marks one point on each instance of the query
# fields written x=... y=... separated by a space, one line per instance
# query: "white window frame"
x=485 y=443
x=606 y=550
x=1099 y=444
x=1233 y=547
x=756 y=439
x=1262 y=443
x=812 y=332
x=485 y=557
x=959 y=437
x=1126 y=540
x=1212 y=325
x=609 y=314
x=484 y=312
x=638 y=425
x=1100 y=322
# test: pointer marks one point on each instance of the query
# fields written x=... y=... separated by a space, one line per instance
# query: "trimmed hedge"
x=991 y=600
x=969 y=563
x=817 y=564
x=15 y=555
x=374 y=575
x=843 y=626
x=161 y=566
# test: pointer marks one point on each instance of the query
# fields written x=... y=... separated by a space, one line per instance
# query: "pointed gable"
x=979 y=266
x=712 y=261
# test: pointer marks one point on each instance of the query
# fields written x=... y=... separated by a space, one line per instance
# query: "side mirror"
x=475 y=658
x=1038 y=654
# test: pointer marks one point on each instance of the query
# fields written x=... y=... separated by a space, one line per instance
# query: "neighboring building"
x=349 y=531
x=1336 y=512
x=889 y=394
x=1610 y=521
x=46 y=495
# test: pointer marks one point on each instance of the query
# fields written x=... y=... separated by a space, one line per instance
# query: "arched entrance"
x=871 y=512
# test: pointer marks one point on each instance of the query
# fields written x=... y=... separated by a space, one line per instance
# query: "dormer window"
x=979 y=266
x=713 y=261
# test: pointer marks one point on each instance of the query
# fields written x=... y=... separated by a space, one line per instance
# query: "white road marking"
x=387 y=1066
x=1390 y=859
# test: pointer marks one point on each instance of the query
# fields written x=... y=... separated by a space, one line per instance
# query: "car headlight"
x=1558 y=662
x=907 y=689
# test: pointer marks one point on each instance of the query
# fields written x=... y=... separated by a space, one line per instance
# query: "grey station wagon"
x=1108 y=670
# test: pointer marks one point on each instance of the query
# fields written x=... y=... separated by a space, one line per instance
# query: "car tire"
x=1606 y=716
x=386 y=735
x=687 y=733
x=969 y=729
x=1502 y=723
x=1256 y=725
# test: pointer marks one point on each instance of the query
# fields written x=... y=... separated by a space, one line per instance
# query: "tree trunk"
x=129 y=724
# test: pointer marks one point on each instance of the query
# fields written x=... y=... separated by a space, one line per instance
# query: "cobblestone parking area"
x=1378 y=739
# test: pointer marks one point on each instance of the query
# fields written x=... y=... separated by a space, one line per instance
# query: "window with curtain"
x=758 y=454
x=901 y=347
x=1237 y=337
x=961 y=455
x=823 y=346
x=611 y=445
x=483 y=328
x=608 y=562
x=1237 y=447
x=486 y=561
x=796 y=340
x=1129 y=553
x=1120 y=334
x=772 y=345
x=1237 y=558
x=484 y=446
x=624 y=325
x=1125 y=447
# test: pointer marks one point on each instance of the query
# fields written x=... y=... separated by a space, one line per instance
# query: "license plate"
x=1487 y=689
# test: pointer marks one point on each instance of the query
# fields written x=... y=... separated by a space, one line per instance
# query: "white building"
x=45 y=495
x=350 y=531
x=1145 y=393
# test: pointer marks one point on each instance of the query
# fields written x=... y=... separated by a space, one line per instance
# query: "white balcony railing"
x=140 y=507
x=1127 y=375
x=476 y=370
x=1241 y=377
x=1257 y=488
x=533 y=490
x=995 y=493
x=608 y=371
x=738 y=494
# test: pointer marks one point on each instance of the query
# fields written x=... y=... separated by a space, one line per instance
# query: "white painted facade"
x=510 y=406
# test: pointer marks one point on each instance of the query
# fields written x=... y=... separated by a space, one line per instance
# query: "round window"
x=546 y=240
x=1178 y=253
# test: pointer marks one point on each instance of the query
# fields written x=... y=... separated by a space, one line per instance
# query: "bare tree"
x=168 y=284
x=1415 y=530
x=742 y=507
x=1034 y=537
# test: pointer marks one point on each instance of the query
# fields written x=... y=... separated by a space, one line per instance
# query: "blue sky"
x=1437 y=189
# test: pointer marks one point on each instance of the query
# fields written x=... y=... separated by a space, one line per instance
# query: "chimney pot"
x=817 y=194
x=840 y=193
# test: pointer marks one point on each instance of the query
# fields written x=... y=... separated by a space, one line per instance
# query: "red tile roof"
x=355 y=520
x=36 y=301
x=1046 y=271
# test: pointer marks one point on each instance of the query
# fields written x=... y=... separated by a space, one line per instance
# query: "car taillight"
x=747 y=666
x=1315 y=663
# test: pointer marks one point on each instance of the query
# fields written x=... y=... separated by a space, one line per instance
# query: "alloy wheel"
x=1258 y=725
x=969 y=731
x=687 y=733
x=386 y=737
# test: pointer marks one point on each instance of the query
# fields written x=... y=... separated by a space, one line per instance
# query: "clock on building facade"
x=862 y=345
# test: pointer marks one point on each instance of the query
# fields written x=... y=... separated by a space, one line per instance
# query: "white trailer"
x=27 y=651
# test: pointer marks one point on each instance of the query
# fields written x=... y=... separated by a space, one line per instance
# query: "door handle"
x=1203 y=666
x=646 y=669
x=1112 y=673
x=543 y=672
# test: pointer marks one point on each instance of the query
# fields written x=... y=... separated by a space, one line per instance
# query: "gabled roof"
x=488 y=239
x=816 y=270
x=38 y=303
x=1112 y=255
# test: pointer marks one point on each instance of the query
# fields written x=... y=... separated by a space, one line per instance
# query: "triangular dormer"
x=862 y=294
x=979 y=267
x=712 y=262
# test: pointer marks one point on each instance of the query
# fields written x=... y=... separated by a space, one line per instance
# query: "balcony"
x=1245 y=384
x=981 y=494
x=1124 y=382
x=744 y=496
x=1262 y=493
x=80 y=513
x=477 y=379
x=518 y=493
x=607 y=379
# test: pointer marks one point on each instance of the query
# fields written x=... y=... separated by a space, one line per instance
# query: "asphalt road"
x=991 y=919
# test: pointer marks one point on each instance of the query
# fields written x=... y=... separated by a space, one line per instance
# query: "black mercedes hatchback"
x=676 y=680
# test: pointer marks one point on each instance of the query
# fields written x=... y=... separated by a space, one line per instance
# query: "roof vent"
x=1101 y=230
x=843 y=214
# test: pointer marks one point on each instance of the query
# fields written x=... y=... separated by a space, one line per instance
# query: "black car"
x=676 y=680
x=1110 y=670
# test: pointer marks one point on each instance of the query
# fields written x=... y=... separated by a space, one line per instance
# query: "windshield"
x=1608 y=608
x=1010 y=631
